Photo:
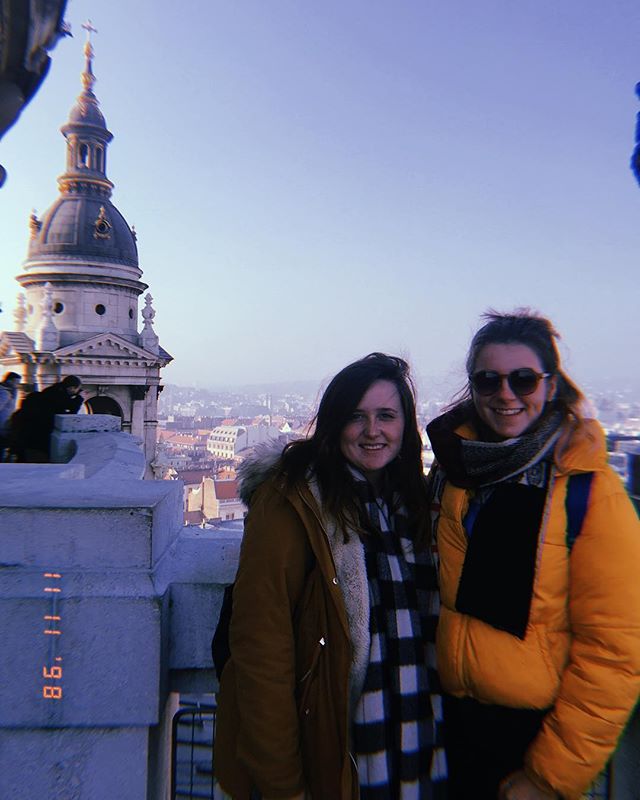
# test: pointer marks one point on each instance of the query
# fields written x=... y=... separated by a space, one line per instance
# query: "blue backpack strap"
x=576 y=501
x=470 y=517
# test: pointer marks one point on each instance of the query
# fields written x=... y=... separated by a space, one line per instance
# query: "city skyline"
x=311 y=183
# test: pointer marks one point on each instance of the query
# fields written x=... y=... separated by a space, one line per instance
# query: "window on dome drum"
x=58 y=308
x=84 y=155
x=99 y=159
x=100 y=309
x=131 y=313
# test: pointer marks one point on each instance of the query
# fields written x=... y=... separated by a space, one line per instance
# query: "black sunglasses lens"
x=523 y=381
x=485 y=382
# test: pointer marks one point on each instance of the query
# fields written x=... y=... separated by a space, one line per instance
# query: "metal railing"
x=192 y=751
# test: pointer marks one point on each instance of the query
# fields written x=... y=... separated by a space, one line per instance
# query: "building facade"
x=81 y=281
x=226 y=441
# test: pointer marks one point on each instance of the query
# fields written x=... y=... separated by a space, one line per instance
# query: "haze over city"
x=314 y=181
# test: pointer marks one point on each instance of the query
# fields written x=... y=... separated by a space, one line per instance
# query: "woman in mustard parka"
x=538 y=641
x=330 y=691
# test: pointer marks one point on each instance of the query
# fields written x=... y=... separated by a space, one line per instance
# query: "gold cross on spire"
x=88 y=27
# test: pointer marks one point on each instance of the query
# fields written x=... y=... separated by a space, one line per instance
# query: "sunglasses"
x=521 y=381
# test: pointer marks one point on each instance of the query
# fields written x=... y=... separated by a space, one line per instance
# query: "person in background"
x=538 y=644
x=8 y=393
x=32 y=424
x=330 y=690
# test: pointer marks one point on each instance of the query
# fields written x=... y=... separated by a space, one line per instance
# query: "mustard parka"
x=581 y=652
x=283 y=718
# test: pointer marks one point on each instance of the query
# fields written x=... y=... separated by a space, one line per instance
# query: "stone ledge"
x=107 y=454
x=87 y=423
x=200 y=556
x=19 y=492
x=41 y=472
x=89 y=532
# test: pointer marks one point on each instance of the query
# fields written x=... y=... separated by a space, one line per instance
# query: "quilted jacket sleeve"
x=269 y=582
x=601 y=682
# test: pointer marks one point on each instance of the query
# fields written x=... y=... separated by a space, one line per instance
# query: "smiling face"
x=372 y=437
x=506 y=413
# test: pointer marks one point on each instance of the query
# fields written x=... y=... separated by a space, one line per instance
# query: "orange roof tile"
x=226 y=490
x=193 y=475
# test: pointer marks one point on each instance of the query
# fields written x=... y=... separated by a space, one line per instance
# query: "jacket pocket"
x=307 y=679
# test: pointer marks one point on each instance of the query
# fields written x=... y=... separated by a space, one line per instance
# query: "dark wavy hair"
x=524 y=326
x=321 y=451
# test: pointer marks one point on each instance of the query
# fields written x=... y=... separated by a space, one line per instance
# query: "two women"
x=538 y=645
x=329 y=692
x=330 y=689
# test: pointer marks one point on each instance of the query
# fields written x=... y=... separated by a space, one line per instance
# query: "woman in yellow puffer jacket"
x=538 y=642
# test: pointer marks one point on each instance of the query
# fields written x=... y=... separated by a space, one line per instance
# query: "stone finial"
x=148 y=312
x=48 y=337
x=20 y=313
x=148 y=338
x=134 y=233
x=47 y=301
x=35 y=224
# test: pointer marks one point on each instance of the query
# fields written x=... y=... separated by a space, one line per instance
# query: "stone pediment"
x=106 y=346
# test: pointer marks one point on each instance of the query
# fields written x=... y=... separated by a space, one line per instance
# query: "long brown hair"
x=321 y=452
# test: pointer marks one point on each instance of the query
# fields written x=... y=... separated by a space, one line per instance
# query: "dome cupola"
x=82 y=245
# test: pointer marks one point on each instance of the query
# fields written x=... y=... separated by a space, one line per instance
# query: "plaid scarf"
x=397 y=733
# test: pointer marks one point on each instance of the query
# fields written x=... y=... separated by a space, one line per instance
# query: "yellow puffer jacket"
x=581 y=651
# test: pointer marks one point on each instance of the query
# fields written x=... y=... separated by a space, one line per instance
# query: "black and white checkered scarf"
x=397 y=734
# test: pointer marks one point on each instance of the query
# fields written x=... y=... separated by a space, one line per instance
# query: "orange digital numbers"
x=53 y=631
x=54 y=673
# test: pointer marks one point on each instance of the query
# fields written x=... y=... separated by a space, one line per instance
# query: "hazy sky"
x=312 y=180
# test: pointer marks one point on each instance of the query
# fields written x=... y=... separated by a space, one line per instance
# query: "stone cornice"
x=84 y=185
x=65 y=278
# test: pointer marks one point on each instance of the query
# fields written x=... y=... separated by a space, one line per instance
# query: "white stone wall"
x=137 y=603
x=78 y=320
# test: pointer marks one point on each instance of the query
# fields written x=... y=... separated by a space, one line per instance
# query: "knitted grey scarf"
x=471 y=464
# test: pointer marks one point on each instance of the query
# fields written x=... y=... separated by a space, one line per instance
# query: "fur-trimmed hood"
x=261 y=465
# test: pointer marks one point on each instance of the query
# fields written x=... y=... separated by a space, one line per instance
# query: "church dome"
x=84 y=113
x=84 y=226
